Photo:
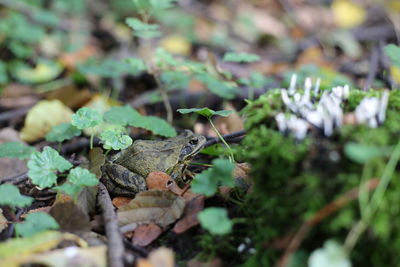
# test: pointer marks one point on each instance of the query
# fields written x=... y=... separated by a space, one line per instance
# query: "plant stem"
x=231 y=157
x=375 y=202
x=91 y=140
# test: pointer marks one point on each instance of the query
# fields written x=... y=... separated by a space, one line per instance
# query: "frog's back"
x=146 y=156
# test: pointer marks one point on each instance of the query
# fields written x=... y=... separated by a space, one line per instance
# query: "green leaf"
x=85 y=118
x=44 y=71
x=137 y=65
x=142 y=29
x=175 y=80
x=156 y=125
x=215 y=220
x=393 y=53
x=34 y=223
x=115 y=139
x=362 y=153
x=81 y=176
x=121 y=115
x=76 y=180
x=165 y=59
x=331 y=255
x=206 y=112
x=10 y=196
x=129 y=116
x=61 y=132
x=42 y=167
x=15 y=150
x=220 y=88
x=220 y=174
x=240 y=57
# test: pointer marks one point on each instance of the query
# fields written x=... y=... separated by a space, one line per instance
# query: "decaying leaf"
x=145 y=234
x=70 y=217
x=71 y=256
x=157 y=180
x=161 y=257
x=189 y=218
x=15 y=251
x=160 y=207
x=3 y=221
x=42 y=117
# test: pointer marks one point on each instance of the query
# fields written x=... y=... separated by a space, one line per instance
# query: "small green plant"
x=34 y=222
x=208 y=113
x=215 y=220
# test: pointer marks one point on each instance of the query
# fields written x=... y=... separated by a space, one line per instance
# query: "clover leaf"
x=76 y=180
x=15 y=150
x=206 y=112
x=42 y=167
x=86 y=118
x=215 y=220
x=115 y=139
x=61 y=132
x=10 y=196
x=220 y=174
x=34 y=223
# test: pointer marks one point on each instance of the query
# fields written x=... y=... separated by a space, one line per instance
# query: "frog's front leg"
x=120 y=181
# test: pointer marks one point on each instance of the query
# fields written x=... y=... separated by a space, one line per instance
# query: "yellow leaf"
x=395 y=71
x=176 y=44
x=14 y=251
x=348 y=14
x=42 y=117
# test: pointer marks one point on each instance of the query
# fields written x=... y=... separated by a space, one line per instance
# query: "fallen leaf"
x=71 y=256
x=145 y=234
x=189 y=218
x=157 y=180
x=216 y=262
x=11 y=166
x=71 y=60
x=70 y=217
x=18 y=95
x=348 y=14
x=161 y=257
x=14 y=251
x=71 y=96
x=176 y=44
x=96 y=160
x=42 y=117
x=121 y=201
x=158 y=206
x=3 y=221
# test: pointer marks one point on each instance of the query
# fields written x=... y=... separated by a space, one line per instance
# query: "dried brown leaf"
x=145 y=234
x=158 y=206
x=189 y=218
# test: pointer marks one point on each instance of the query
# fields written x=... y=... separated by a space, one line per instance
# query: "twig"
x=15 y=179
x=319 y=216
x=227 y=137
x=116 y=249
x=19 y=112
x=373 y=67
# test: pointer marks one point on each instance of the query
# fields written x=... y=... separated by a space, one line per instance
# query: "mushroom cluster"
x=325 y=112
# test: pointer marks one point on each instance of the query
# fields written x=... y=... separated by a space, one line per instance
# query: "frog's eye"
x=194 y=142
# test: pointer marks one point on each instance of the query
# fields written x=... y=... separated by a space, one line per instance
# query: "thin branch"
x=227 y=137
x=115 y=246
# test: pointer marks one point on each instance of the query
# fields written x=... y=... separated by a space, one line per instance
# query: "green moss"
x=293 y=180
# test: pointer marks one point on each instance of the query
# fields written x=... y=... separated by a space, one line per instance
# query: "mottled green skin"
x=125 y=173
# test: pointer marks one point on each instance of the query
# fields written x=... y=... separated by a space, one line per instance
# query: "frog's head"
x=192 y=144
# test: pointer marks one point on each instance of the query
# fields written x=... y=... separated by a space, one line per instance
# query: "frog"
x=124 y=174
